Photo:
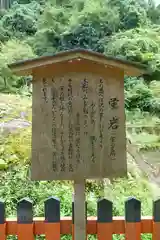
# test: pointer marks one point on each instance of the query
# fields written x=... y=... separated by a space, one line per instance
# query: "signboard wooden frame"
x=96 y=79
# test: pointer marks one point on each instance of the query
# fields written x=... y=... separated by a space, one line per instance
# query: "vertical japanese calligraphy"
x=113 y=126
x=113 y=123
x=93 y=138
x=93 y=111
x=112 y=148
x=70 y=125
x=78 y=154
x=44 y=89
x=85 y=105
x=79 y=126
x=62 y=156
x=101 y=110
x=54 y=133
x=93 y=157
x=113 y=103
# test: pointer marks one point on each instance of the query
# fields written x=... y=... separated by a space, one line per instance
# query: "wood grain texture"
x=78 y=129
x=27 y=67
x=3 y=231
x=25 y=232
x=52 y=231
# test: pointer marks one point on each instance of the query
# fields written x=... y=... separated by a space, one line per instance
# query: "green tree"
x=21 y=19
x=153 y=12
x=83 y=25
x=13 y=50
x=132 y=13
x=125 y=28
x=140 y=45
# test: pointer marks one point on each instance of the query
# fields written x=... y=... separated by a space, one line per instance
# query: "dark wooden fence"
x=103 y=226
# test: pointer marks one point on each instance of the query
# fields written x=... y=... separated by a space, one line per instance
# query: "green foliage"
x=3 y=164
x=83 y=25
x=133 y=13
x=119 y=27
x=17 y=147
x=138 y=95
x=50 y=27
x=153 y=12
x=13 y=50
x=21 y=20
x=17 y=184
x=88 y=26
x=137 y=44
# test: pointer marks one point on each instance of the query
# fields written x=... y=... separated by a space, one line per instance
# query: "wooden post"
x=25 y=228
x=79 y=210
x=133 y=219
x=2 y=221
x=52 y=219
x=104 y=219
x=156 y=220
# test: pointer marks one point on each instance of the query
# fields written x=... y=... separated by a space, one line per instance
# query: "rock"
x=14 y=124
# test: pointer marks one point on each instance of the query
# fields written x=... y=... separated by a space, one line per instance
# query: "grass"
x=138 y=118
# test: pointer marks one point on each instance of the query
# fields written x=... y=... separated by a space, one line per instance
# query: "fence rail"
x=103 y=226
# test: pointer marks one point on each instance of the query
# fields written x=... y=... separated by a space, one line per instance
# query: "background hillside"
x=129 y=29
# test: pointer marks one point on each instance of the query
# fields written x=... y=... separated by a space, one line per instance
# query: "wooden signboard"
x=78 y=127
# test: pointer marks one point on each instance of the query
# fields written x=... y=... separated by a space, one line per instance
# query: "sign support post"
x=79 y=210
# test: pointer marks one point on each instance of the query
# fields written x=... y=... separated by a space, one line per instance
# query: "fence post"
x=104 y=220
x=25 y=220
x=156 y=220
x=73 y=219
x=133 y=219
x=2 y=221
x=52 y=219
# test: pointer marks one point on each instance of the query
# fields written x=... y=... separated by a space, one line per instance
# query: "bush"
x=139 y=95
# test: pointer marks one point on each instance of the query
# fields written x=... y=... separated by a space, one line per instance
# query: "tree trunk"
x=5 y=83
